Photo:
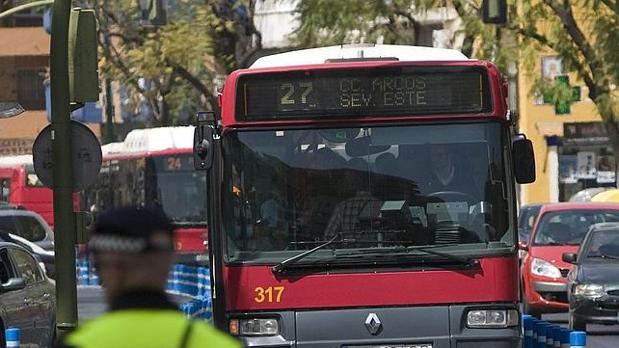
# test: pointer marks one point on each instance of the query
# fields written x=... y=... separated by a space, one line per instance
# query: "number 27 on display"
x=269 y=294
x=290 y=94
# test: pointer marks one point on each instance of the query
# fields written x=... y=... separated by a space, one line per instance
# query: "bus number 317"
x=269 y=294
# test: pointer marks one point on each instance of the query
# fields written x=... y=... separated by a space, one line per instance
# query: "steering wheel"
x=446 y=195
x=461 y=196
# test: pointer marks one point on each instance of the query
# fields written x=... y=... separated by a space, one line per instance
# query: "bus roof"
x=152 y=140
x=319 y=55
x=11 y=161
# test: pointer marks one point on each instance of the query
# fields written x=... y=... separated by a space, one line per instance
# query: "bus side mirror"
x=203 y=137
x=524 y=161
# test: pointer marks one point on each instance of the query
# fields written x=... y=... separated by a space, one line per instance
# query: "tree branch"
x=114 y=57
x=570 y=25
x=612 y=6
x=193 y=80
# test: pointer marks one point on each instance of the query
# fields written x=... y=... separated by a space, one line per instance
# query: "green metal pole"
x=64 y=222
x=25 y=7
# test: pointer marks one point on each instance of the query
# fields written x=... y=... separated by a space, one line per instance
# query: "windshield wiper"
x=426 y=249
x=604 y=256
x=281 y=267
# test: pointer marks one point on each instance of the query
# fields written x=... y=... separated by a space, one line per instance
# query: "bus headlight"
x=254 y=327
x=589 y=290
x=492 y=318
x=544 y=268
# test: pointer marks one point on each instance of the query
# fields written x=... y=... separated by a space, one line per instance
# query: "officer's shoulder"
x=204 y=333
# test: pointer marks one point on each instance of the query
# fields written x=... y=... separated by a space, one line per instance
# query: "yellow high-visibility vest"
x=146 y=328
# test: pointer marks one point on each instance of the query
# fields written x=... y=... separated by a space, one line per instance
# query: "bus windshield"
x=386 y=187
x=179 y=189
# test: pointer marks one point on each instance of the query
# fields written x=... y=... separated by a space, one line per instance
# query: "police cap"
x=132 y=230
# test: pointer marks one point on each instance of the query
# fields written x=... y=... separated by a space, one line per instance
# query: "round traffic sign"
x=86 y=156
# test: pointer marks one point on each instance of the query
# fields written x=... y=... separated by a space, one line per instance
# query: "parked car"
x=560 y=228
x=44 y=257
x=27 y=297
x=26 y=224
x=593 y=283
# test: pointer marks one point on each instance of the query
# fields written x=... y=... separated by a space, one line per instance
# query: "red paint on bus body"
x=39 y=199
x=495 y=280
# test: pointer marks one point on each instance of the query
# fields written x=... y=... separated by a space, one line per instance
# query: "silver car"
x=27 y=224
x=27 y=297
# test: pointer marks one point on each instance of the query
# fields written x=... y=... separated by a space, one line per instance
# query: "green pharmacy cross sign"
x=563 y=107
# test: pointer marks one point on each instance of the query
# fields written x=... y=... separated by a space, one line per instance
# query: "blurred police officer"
x=133 y=250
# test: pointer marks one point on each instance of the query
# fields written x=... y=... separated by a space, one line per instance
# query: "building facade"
x=572 y=151
x=24 y=66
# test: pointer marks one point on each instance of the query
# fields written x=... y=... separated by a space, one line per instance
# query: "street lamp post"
x=64 y=223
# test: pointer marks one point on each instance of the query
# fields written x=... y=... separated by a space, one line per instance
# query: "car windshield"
x=374 y=188
x=603 y=244
x=570 y=227
x=527 y=220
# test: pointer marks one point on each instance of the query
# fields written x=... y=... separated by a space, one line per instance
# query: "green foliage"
x=583 y=33
x=180 y=59
x=325 y=22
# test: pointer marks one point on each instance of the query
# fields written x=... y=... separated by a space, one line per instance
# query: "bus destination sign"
x=379 y=92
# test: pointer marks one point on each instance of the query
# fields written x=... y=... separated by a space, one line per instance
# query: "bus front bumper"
x=404 y=327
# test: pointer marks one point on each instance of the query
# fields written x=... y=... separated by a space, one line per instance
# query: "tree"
x=163 y=69
x=170 y=69
x=583 y=33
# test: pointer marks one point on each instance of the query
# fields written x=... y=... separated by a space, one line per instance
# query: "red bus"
x=155 y=166
x=20 y=186
x=364 y=196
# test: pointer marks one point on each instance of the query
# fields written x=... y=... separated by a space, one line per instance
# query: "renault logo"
x=373 y=324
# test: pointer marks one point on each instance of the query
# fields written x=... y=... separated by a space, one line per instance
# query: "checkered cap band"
x=117 y=244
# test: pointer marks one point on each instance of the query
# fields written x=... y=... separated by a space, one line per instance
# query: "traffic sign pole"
x=64 y=222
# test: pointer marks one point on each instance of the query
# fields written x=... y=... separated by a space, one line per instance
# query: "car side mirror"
x=13 y=284
x=524 y=160
x=569 y=257
x=522 y=245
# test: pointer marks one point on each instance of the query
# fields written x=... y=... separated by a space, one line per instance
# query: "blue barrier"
x=542 y=334
x=565 y=338
x=556 y=337
x=191 y=281
x=527 y=324
x=12 y=337
x=578 y=339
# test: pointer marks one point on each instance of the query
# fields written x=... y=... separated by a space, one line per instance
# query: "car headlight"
x=544 y=268
x=492 y=318
x=254 y=327
x=589 y=290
